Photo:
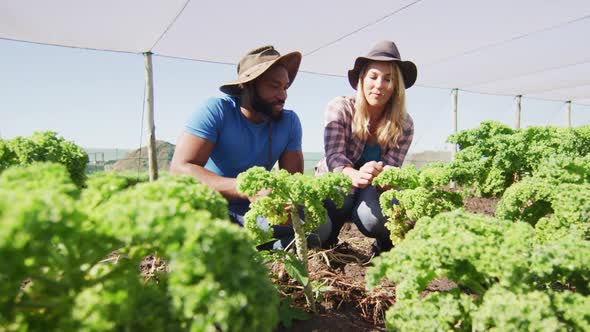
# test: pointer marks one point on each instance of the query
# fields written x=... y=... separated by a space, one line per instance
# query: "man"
x=247 y=128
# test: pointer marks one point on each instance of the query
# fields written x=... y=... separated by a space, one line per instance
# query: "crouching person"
x=248 y=127
x=367 y=133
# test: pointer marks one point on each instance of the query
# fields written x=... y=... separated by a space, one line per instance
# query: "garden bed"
x=348 y=305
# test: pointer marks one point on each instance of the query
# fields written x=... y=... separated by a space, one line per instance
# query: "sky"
x=95 y=99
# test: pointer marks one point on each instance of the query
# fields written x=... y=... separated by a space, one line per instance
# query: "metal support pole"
x=568 y=113
x=518 y=110
x=149 y=104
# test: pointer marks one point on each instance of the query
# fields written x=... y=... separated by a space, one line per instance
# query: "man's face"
x=270 y=92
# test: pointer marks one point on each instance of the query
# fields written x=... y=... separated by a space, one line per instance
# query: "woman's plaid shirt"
x=342 y=148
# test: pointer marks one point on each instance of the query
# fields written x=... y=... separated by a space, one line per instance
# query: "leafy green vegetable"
x=494 y=156
x=291 y=190
x=58 y=245
x=436 y=312
x=421 y=196
x=39 y=177
x=501 y=262
x=48 y=147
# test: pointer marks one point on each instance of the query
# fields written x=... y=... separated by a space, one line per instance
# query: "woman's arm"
x=338 y=119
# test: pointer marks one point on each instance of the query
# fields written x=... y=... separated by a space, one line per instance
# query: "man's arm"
x=291 y=161
x=191 y=155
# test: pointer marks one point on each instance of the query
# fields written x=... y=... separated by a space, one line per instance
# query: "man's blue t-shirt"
x=239 y=143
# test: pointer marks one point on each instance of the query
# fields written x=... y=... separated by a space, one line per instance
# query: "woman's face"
x=378 y=83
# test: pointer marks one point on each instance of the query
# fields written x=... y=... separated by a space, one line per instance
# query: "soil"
x=347 y=305
x=485 y=206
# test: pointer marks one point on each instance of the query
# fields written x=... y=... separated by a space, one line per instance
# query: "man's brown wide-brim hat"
x=384 y=51
x=258 y=61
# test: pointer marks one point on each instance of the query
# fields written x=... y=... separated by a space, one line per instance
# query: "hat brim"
x=408 y=69
x=290 y=60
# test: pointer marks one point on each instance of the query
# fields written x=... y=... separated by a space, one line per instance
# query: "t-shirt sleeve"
x=206 y=121
x=295 y=135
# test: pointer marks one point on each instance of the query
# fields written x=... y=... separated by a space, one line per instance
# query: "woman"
x=366 y=134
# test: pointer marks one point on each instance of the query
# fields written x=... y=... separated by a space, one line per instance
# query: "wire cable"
x=170 y=25
x=141 y=132
x=361 y=28
x=528 y=34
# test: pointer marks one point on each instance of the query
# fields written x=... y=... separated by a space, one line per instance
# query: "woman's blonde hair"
x=392 y=120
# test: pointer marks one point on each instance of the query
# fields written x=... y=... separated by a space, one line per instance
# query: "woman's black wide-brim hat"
x=384 y=51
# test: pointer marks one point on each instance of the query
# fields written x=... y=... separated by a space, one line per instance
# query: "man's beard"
x=264 y=107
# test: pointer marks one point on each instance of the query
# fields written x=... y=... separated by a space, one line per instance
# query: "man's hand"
x=260 y=194
x=265 y=192
x=288 y=209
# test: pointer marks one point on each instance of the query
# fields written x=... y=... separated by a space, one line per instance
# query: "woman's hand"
x=388 y=167
x=372 y=167
x=388 y=187
x=365 y=175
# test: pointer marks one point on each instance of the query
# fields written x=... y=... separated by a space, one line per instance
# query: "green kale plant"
x=290 y=191
x=499 y=264
x=48 y=147
x=415 y=194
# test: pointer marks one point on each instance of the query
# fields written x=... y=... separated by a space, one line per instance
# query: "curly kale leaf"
x=435 y=312
x=289 y=190
x=48 y=147
x=472 y=250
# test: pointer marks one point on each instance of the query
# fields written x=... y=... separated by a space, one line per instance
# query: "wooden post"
x=454 y=96
x=568 y=113
x=517 y=125
x=149 y=104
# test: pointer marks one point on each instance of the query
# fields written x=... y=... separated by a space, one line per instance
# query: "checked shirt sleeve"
x=338 y=119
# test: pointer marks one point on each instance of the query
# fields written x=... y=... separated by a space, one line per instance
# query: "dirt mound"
x=137 y=160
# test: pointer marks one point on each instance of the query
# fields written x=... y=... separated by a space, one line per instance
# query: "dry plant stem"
x=301 y=245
